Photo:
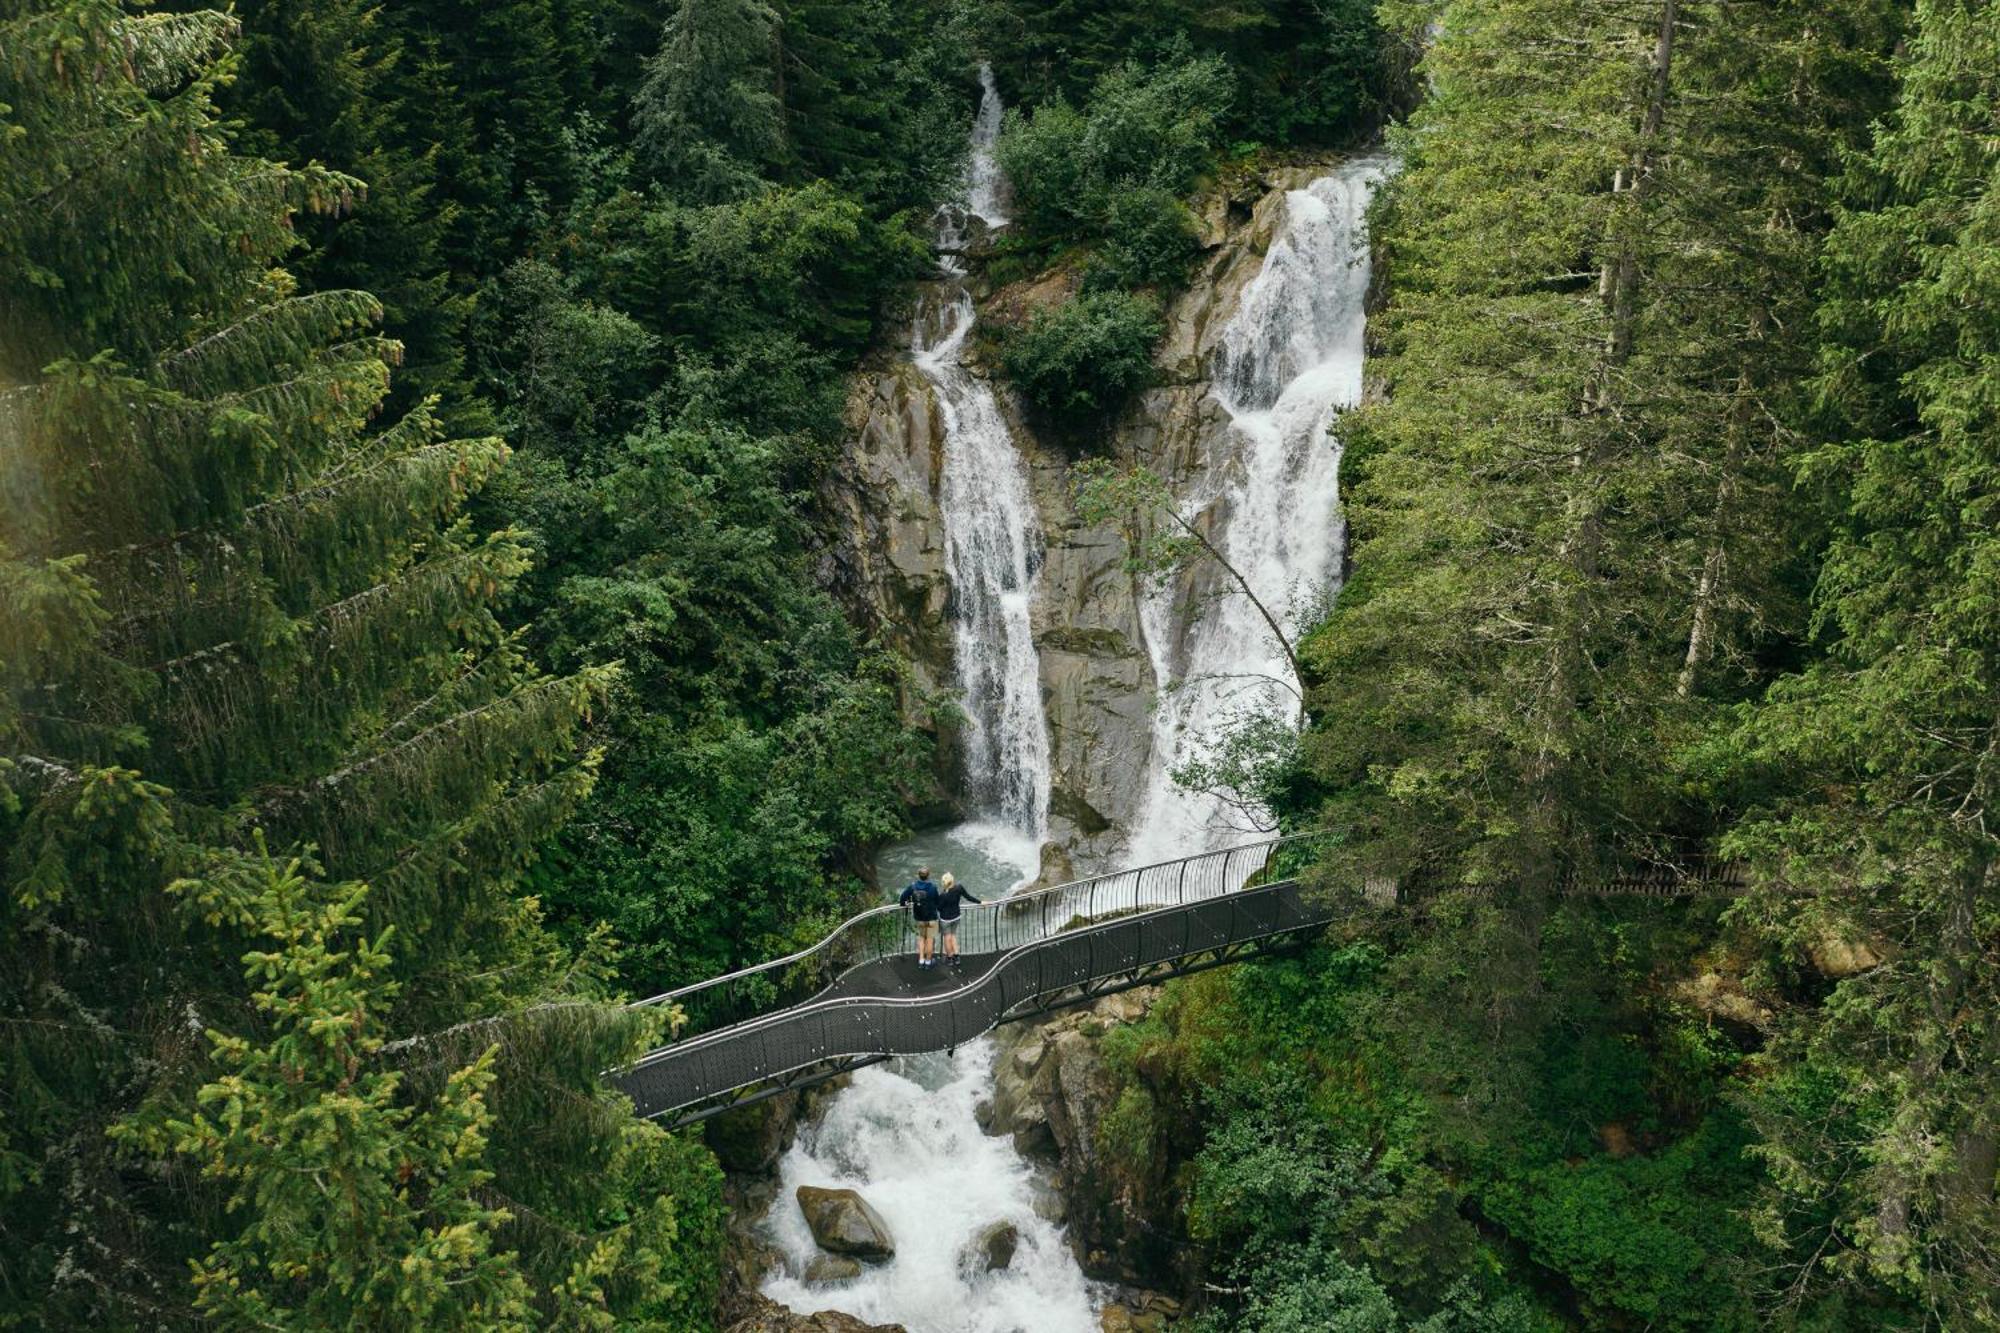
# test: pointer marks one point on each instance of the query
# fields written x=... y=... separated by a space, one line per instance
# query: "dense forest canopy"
x=416 y=639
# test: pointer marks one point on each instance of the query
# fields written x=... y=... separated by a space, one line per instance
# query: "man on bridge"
x=921 y=897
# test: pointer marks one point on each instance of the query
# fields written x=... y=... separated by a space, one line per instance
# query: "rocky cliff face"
x=1053 y=1092
x=1097 y=677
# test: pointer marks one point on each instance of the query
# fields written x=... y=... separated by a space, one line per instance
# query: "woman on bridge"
x=950 y=894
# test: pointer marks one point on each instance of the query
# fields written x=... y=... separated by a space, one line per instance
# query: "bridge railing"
x=996 y=926
x=680 y=1080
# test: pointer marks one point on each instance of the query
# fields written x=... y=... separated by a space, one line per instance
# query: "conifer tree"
x=362 y=1210
x=1884 y=1131
x=1568 y=508
x=326 y=81
x=236 y=607
x=708 y=116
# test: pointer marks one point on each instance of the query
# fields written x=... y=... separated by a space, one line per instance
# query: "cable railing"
x=998 y=925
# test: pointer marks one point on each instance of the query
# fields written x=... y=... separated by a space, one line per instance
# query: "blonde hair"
x=947 y=881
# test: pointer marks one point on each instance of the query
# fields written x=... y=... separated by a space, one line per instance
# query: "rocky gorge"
x=1092 y=663
x=1099 y=682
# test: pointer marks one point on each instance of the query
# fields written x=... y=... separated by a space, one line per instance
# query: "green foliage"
x=1149 y=241
x=1343 y=1135
x=1639 y=1237
x=1876 y=759
x=1143 y=130
x=240 y=604
x=672 y=393
x=361 y=1211
x=708 y=116
x=1307 y=71
x=1080 y=361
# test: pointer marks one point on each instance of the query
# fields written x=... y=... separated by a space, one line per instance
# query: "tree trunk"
x=1708 y=588
x=1243 y=585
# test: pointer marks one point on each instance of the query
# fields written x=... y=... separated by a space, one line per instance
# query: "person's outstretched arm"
x=971 y=897
x=909 y=892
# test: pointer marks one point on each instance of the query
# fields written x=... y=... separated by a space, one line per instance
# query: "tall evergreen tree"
x=1884 y=1131
x=708 y=119
x=324 y=81
x=236 y=609
x=1600 y=256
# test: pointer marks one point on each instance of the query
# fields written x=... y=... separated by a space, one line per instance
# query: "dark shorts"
x=949 y=925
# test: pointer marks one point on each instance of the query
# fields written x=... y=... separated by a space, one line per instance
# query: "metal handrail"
x=686 y=1073
x=885 y=931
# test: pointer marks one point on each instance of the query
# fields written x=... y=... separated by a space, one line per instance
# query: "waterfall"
x=903 y=1133
x=992 y=538
x=1288 y=361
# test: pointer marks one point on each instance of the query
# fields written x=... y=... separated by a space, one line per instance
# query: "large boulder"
x=844 y=1223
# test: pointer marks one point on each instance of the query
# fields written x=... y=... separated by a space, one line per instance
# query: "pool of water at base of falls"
x=905 y=1136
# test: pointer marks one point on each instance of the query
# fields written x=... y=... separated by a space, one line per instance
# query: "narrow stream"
x=903 y=1133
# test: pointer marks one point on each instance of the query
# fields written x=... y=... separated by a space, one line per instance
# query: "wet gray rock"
x=996 y=1245
x=750 y=1139
x=761 y=1314
x=844 y=1223
x=1051 y=1091
x=746 y=1254
x=832 y=1268
x=1098 y=677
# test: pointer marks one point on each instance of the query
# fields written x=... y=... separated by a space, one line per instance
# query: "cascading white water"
x=903 y=1133
x=1288 y=362
x=992 y=538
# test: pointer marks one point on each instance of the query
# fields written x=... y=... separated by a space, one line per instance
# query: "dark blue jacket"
x=948 y=900
x=921 y=897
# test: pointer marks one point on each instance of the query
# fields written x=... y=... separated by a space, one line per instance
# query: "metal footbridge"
x=857 y=997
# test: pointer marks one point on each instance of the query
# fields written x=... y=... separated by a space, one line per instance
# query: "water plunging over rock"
x=963 y=549
x=1267 y=495
x=992 y=537
x=906 y=1135
x=976 y=1255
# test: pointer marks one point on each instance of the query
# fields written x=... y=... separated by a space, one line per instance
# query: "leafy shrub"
x=1148 y=131
x=1158 y=126
x=1080 y=360
x=1149 y=240
x=1055 y=188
